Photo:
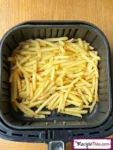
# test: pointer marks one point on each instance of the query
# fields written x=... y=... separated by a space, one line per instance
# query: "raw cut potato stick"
x=35 y=104
x=76 y=111
x=72 y=114
x=61 y=99
x=57 y=39
x=19 y=84
x=40 y=91
x=46 y=103
x=52 y=102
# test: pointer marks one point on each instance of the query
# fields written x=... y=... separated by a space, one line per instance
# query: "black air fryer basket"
x=99 y=123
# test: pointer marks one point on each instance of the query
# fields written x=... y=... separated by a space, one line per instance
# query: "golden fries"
x=54 y=74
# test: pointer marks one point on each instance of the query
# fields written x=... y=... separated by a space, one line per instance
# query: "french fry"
x=92 y=106
x=25 y=109
x=61 y=102
x=57 y=39
x=85 y=82
x=27 y=64
x=45 y=42
x=50 y=106
x=40 y=91
x=73 y=110
x=83 y=97
x=27 y=85
x=39 y=116
x=34 y=104
x=19 y=84
x=34 y=81
x=52 y=73
x=11 y=76
x=45 y=103
x=31 y=90
x=76 y=99
x=49 y=49
x=45 y=112
x=44 y=96
x=39 y=77
x=88 y=92
x=28 y=70
x=73 y=102
x=55 y=105
x=72 y=114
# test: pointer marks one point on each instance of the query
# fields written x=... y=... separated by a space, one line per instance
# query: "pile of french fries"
x=58 y=74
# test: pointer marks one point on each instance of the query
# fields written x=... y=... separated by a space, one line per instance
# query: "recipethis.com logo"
x=82 y=144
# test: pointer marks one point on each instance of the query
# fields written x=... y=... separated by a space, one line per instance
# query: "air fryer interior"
x=85 y=31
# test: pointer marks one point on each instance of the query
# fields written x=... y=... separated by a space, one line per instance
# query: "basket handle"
x=56 y=145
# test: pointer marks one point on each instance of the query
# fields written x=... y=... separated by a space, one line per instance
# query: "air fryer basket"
x=74 y=29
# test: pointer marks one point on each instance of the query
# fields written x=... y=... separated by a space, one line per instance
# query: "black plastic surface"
x=47 y=135
x=71 y=29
